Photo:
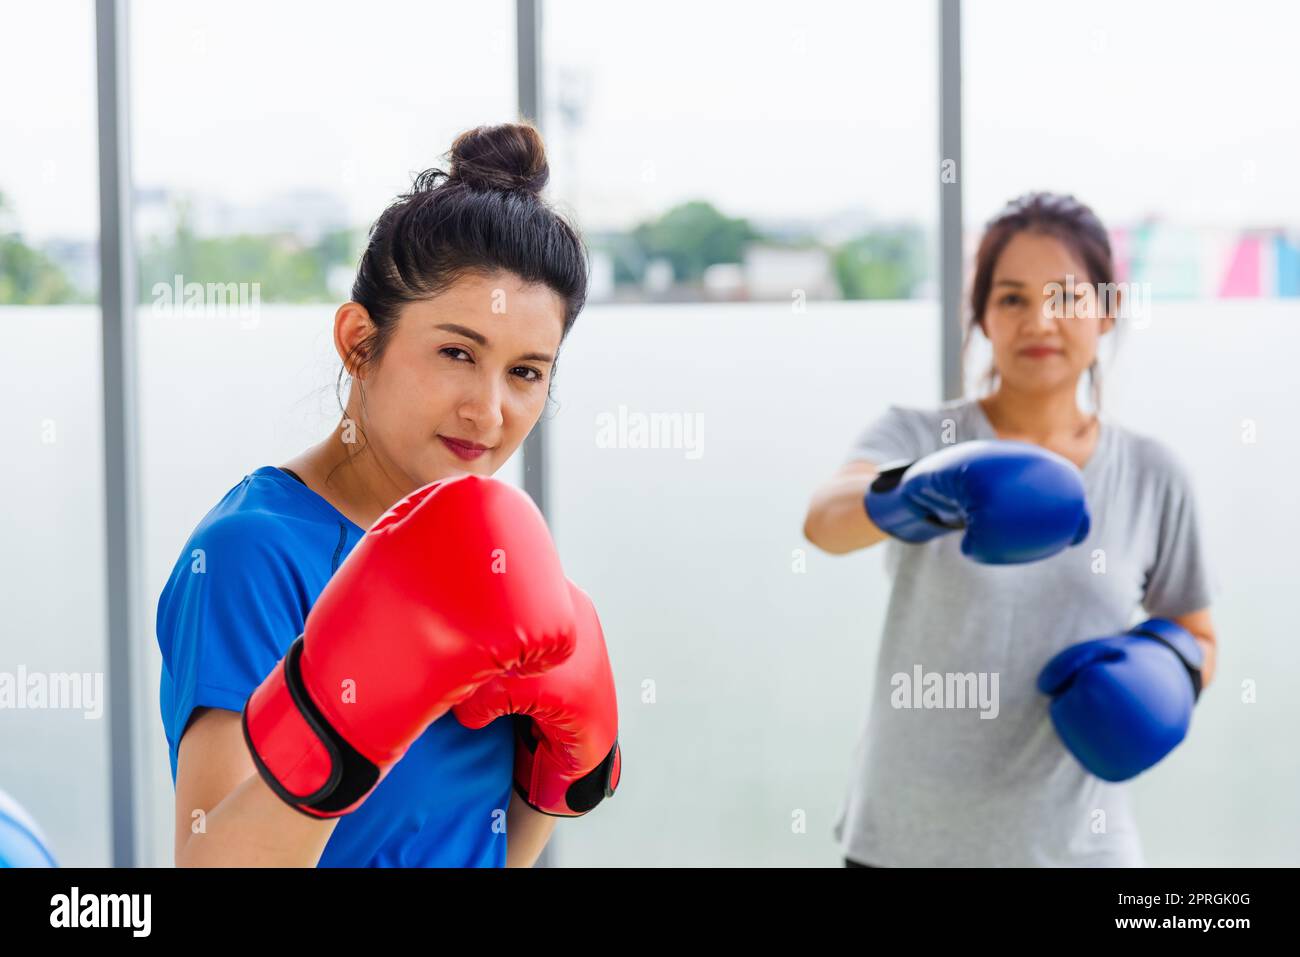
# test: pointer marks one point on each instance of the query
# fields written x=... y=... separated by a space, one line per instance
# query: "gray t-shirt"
x=982 y=779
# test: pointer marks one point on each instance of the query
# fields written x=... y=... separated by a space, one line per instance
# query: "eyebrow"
x=478 y=337
x=1016 y=282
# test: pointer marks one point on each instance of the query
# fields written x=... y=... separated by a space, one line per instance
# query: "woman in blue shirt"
x=465 y=292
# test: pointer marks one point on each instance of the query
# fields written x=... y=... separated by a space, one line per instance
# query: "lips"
x=466 y=451
x=1040 y=352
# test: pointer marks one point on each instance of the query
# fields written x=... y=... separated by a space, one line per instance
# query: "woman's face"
x=463 y=379
x=1043 y=317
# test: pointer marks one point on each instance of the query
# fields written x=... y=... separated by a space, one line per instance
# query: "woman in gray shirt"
x=987 y=780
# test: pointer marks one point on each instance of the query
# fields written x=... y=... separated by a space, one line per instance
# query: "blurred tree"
x=27 y=276
x=287 y=270
x=692 y=237
x=626 y=253
x=884 y=264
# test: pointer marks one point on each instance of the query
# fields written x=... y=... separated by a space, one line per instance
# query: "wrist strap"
x=1178 y=640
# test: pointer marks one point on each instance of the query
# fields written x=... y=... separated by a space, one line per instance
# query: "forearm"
x=837 y=519
x=527 y=832
x=1211 y=651
x=1200 y=625
x=252 y=827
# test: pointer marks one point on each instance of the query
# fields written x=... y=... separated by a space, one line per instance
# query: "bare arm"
x=226 y=816
x=1202 y=629
x=527 y=832
x=837 y=520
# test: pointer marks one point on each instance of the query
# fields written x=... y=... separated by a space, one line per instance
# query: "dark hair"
x=485 y=214
x=1051 y=214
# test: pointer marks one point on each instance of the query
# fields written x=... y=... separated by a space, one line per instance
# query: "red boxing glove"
x=567 y=758
x=457 y=583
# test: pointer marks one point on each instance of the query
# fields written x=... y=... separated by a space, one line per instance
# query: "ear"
x=352 y=326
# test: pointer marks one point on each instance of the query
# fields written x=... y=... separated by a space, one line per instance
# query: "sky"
x=771 y=110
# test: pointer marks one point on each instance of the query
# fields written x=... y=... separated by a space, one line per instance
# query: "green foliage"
x=627 y=255
x=287 y=270
x=27 y=276
x=882 y=265
x=30 y=278
x=693 y=237
x=885 y=264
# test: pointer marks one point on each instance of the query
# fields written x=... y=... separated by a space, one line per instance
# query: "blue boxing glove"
x=21 y=842
x=1120 y=704
x=1018 y=502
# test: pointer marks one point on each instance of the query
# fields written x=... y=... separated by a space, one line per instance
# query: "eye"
x=455 y=353
x=527 y=373
x=1010 y=299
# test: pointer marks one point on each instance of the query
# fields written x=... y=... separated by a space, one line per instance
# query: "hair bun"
x=506 y=157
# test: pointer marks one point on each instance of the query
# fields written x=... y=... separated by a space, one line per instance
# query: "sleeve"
x=890 y=438
x=232 y=607
x=1178 y=581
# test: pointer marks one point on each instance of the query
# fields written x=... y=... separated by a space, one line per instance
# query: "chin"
x=437 y=472
x=453 y=467
x=1041 y=385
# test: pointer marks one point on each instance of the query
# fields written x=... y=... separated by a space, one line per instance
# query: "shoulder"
x=1149 y=452
x=253 y=532
x=925 y=418
x=910 y=432
x=896 y=432
x=246 y=534
x=248 y=518
x=245 y=566
x=1152 y=459
x=950 y=422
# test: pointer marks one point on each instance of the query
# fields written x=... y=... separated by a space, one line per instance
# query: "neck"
x=352 y=479
x=1039 y=417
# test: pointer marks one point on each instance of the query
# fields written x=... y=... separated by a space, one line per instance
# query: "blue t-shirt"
x=236 y=600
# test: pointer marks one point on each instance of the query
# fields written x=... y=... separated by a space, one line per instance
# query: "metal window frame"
x=528 y=67
x=950 y=196
x=528 y=72
x=122 y=539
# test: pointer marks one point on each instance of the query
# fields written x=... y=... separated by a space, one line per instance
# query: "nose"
x=482 y=404
x=1054 y=308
